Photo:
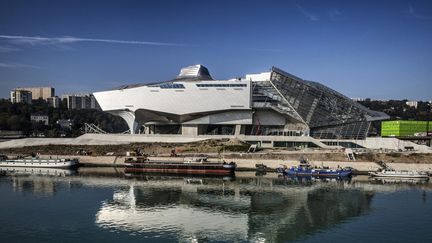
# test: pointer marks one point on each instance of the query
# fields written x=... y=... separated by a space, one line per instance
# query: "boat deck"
x=42 y=163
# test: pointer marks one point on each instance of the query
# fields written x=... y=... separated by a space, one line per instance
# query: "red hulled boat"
x=195 y=166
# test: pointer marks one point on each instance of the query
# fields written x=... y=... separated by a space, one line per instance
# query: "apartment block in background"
x=81 y=101
x=40 y=92
x=54 y=102
x=21 y=96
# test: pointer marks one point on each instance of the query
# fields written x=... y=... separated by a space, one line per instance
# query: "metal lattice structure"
x=328 y=113
x=92 y=128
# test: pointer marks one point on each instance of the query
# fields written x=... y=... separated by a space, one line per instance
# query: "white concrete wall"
x=191 y=99
x=389 y=143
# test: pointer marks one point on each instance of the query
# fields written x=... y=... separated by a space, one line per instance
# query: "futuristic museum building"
x=274 y=103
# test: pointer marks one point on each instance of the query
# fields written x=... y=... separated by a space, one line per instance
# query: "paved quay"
x=122 y=139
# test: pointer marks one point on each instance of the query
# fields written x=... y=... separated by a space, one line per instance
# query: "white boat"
x=388 y=172
x=399 y=173
x=38 y=162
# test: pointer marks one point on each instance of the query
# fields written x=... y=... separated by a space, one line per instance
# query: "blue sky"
x=376 y=49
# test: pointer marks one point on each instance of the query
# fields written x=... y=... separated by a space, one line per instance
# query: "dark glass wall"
x=328 y=113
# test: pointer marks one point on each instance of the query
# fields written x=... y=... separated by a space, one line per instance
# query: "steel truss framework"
x=329 y=114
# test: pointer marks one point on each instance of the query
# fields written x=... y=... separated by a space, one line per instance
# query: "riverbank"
x=230 y=150
x=248 y=164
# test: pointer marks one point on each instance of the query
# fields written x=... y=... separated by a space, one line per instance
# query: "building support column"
x=129 y=117
x=146 y=129
x=237 y=130
x=189 y=130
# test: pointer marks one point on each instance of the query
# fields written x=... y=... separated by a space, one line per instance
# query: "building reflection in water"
x=247 y=209
x=37 y=181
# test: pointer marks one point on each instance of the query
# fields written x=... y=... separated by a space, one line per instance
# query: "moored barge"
x=306 y=169
x=191 y=167
x=37 y=162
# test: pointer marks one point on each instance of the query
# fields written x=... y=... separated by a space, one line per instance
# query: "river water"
x=106 y=205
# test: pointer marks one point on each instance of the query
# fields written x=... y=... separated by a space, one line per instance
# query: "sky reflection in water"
x=110 y=207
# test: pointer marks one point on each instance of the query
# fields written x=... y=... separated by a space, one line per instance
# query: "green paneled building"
x=404 y=128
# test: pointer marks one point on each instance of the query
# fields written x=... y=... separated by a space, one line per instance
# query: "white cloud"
x=16 y=65
x=307 y=14
x=6 y=65
x=38 y=40
x=413 y=13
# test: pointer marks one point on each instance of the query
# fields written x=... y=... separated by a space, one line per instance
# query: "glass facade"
x=220 y=85
x=328 y=113
x=165 y=85
x=171 y=86
x=210 y=129
x=283 y=144
x=165 y=129
x=265 y=95
x=355 y=130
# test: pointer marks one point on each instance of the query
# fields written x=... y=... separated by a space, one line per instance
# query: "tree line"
x=399 y=110
x=16 y=117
